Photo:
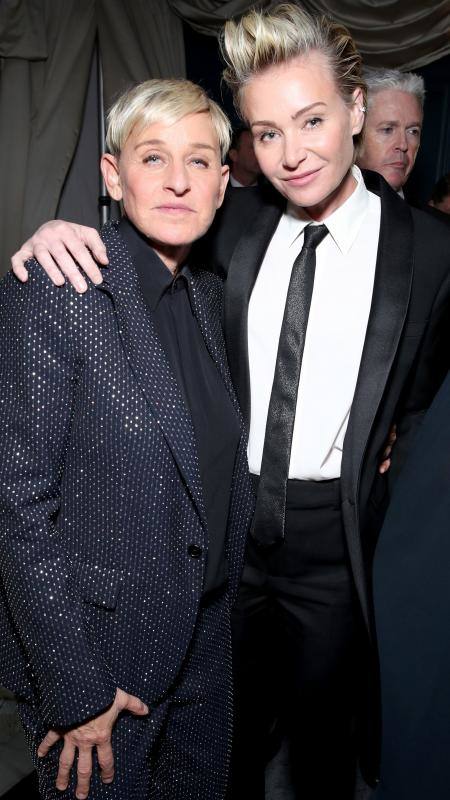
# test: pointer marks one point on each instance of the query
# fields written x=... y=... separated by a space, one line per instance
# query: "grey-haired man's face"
x=392 y=135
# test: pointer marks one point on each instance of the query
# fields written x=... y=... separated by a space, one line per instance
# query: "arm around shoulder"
x=64 y=249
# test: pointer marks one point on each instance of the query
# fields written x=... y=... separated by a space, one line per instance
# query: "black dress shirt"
x=213 y=417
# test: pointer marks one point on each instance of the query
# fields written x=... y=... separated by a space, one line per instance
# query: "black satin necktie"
x=268 y=522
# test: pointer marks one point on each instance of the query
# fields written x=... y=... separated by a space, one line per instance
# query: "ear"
x=232 y=154
x=357 y=111
x=109 y=166
x=225 y=174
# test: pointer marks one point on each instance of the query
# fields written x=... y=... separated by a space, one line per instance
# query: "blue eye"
x=267 y=136
x=314 y=122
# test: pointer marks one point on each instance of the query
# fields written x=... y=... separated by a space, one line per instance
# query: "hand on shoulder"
x=63 y=249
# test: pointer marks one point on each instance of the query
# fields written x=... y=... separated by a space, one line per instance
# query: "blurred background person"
x=213 y=251
x=244 y=167
x=393 y=126
x=440 y=197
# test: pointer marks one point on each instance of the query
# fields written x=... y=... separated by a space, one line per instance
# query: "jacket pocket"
x=96 y=584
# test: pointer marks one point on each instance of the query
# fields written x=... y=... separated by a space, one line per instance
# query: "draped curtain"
x=45 y=51
x=392 y=33
x=46 y=48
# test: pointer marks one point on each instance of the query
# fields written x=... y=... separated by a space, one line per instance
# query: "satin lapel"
x=149 y=363
x=244 y=267
x=390 y=301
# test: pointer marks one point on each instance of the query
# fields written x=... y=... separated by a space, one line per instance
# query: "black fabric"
x=404 y=361
x=213 y=417
x=412 y=605
x=299 y=645
x=269 y=520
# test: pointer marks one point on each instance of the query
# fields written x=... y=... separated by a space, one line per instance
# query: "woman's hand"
x=63 y=248
x=95 y=733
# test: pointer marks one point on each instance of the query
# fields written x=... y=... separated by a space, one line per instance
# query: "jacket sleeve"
x=38 y=375
x=432 y=365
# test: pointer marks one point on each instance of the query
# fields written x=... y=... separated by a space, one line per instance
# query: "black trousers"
x=298 y=645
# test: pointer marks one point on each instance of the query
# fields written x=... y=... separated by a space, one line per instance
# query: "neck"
x=172 y=256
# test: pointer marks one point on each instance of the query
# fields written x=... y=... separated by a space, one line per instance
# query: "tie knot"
x=313 y=235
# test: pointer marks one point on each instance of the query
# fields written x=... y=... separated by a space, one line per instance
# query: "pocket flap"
x=96 y=584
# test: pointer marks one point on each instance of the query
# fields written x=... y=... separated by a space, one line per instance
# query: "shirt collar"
x=238 y=185
x=154 y=277
x=343 y=224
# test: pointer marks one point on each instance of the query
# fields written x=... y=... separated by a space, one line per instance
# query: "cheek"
x=343 y=149
x=267 y=159
x=374 y=147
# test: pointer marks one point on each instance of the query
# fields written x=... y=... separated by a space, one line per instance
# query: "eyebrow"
x=161 y=142
x=395 y=123
x=294 y=116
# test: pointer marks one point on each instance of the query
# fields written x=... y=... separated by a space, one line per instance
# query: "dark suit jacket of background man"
x=412 y=607
x=405 y=355
x=117 y=530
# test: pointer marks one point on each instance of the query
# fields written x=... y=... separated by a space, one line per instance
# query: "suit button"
x=194 y=551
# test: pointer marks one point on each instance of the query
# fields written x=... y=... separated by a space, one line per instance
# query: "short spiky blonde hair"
x=163 y=100
x=261 y=39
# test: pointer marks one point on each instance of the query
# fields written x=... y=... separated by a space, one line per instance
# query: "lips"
x=301 y=178
x=175 y=209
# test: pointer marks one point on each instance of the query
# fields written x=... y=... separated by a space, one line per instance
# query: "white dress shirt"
x=343 y=286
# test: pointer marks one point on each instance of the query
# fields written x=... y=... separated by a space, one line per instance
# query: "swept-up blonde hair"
x=163 y=100
x=261 y=39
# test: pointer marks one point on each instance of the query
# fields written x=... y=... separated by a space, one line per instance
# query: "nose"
x=177 y=178
x=293 y=151
x=401 y=141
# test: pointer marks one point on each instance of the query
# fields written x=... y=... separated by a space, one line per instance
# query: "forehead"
x=307 y=78
x=190 y=131
x=393 y=104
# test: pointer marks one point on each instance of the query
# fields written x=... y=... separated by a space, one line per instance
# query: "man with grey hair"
x=393 y=125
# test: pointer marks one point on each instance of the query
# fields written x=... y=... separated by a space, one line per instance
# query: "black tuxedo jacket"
x=412 y=609
x=404 y=358
x=213 y=251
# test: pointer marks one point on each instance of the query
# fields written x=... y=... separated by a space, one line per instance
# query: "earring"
x=363 y=109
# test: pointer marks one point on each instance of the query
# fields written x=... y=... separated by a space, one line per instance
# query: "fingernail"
x=40 y=754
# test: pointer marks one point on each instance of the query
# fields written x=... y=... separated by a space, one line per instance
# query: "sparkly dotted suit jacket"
x=102 y=534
